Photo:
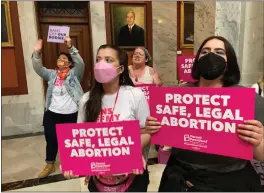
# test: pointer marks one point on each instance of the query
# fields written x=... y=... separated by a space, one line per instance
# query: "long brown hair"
x=93 y=106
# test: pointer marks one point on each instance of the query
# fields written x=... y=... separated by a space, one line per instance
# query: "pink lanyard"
x=111 y=118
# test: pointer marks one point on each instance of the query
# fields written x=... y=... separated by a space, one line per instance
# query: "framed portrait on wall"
x=6 y=25
x=187 y=24
x=129 y=24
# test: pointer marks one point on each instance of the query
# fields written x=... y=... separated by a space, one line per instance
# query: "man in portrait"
x=131 y=34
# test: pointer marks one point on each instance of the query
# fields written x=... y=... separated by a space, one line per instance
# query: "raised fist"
x=38 y=45
x=67 y=39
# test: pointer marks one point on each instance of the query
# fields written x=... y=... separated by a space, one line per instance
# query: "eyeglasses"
x=61 y=60
x=138 y=54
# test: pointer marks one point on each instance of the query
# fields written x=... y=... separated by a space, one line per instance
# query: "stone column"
x=241 y=23
x=252 y=49
x=164 y=19
x=204 y=21
x=97 y=10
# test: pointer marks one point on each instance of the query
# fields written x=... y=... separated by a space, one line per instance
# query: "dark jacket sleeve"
x=142 y=37
x=259 y=109
x=120 y=39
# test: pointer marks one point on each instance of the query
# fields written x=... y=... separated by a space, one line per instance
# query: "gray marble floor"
x=23 y=159
x=77 y=185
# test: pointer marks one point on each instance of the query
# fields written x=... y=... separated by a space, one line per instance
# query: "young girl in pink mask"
x=113 y=97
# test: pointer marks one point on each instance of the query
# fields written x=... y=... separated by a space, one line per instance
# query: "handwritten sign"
x=56 y=33
x=203 y=119
x=100 y=148
x=184 y=67
x=145 y=89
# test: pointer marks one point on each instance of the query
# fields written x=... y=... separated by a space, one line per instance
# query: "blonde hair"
x=133 y=13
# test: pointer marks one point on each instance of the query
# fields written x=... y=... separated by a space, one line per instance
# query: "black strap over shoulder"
x=259 y=89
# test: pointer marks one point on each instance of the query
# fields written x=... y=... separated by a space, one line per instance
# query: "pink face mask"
x=104 y=72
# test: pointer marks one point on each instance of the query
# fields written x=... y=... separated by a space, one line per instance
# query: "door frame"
x=184 y=51
x=91 y=60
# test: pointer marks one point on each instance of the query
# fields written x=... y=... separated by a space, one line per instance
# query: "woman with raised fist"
x=62 y=98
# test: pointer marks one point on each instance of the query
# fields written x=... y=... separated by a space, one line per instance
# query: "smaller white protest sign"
x=56 y=33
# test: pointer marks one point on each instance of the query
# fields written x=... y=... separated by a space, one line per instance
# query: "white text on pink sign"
x=110 y=142
x=214 y=107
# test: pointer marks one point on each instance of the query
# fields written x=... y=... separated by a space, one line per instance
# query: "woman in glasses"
x=140 y=72
x=63 y=95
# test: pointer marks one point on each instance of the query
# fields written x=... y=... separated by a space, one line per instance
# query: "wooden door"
x=72 y=14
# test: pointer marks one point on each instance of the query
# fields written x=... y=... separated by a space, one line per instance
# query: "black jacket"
x=176 y=175
x=135 y=38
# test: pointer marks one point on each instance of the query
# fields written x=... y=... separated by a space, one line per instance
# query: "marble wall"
x=204 y=22
x=23 y=113
x=241 y=23
x=217 y=18
x=252 y=51
x=164 y=21
x=227 y=21
x=97 y=10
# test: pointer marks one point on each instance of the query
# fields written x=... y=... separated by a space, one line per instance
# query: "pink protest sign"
x=100 y=148
x=145 y=89
x=184 y=67
x=56 y=33
x=203 y=119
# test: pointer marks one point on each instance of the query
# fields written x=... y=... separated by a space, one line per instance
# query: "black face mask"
x=211 y=66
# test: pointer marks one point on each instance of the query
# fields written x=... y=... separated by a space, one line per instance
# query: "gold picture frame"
x=118 y=14
x=187 y=24
x=6 y=25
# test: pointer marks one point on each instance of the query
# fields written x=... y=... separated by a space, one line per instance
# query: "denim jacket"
x=72 y=81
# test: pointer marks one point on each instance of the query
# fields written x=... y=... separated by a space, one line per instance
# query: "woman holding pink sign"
x=63 y=94
x=112 y=98
x=215 y=66
x=140 y=72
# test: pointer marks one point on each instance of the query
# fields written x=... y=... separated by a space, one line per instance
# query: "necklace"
x=137 y=75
